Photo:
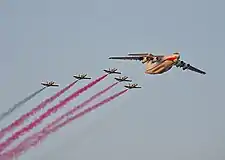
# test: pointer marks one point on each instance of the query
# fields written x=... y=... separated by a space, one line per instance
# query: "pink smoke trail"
x=72 y=111
x=33 y=124
x=40 y=136
x=42 y=105
x=49 y=126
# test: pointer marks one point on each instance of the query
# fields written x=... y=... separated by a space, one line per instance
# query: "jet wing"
x=53 y=85
x=87 y=78
x=111 y=72
x=76 y=76
x=79 y=77
x=196 y=69
x=185 y=66
x=49 y=85
x=137 y=87
x=137 y=58
x=145 y=54
x=130 y=87
x=126 y=80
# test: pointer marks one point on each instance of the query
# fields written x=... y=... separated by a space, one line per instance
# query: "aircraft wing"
x=55 y=85
x=137 y=58
x=196 y=69
x=49 y=85
x=127 y=80
x=137 y=87
x=185 y=66
x=76 y=76
x=130 y=87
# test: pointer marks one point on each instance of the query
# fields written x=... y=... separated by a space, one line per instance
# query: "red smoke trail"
x=49 y=126
x=22 y=119
x=78 y=107
x=38 y=137
x=33 y=124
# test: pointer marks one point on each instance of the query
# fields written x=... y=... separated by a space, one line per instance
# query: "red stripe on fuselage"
x=172 y=58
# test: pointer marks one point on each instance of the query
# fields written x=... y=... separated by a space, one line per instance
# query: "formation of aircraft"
x=158 y=64
x=50 y=84
x=124 y=78
x=112 y=71
x=81 y=76
x=154 y=64
x=131 y=86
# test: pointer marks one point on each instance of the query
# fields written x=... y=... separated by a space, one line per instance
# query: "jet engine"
x=182 y=65
x=186 y=66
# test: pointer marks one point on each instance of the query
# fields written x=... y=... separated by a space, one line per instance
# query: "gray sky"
x=177 y=115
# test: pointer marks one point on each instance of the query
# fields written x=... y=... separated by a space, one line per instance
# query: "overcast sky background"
x=177 y=115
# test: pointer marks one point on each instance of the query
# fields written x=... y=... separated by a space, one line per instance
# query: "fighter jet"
x=131 y=86
x=158 y=64
x=81 y=76
x=50 y=84
x=124 y=78
x=112 y=71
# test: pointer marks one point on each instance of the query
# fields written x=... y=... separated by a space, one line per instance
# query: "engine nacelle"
x=180 y=64
x=186 y=66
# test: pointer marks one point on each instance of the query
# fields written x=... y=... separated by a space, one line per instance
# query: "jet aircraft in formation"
x=158 y=64
x=112 y=71
x=50 y=84
x=131 y=86
x=84 y=76
x=81 y=76
x=124 y=78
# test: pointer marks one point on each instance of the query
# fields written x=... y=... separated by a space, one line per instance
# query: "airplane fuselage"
x=120 y=80
x=50 y=85
x=112 y=72
x=162 y=65
x=80 y=77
